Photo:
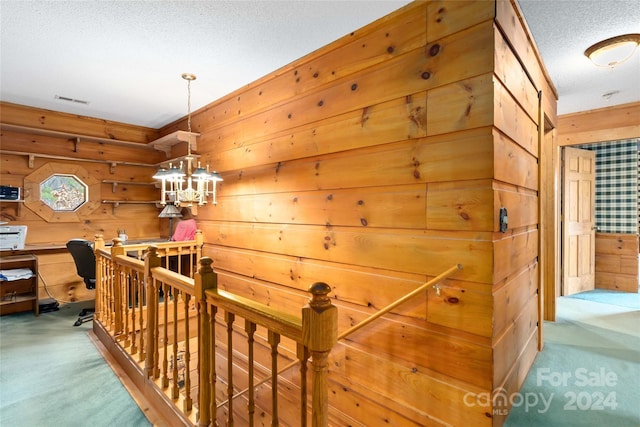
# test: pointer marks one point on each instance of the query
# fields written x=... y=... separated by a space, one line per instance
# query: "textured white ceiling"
x=126 y=57
x=564 y=29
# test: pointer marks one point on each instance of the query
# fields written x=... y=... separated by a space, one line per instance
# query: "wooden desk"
x=44 y=249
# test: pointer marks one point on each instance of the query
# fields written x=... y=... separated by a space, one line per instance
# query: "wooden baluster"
x=101 y=305
x=108 y=297
x=205 y=279
x=151 y=260
x=319 y=334
x=250 y=329
x=303 y=356
x=126 y=296
x=229 y=318
x=175 y=389
x=142 y=297
x=199 y=244
x=165 y=338
x=179 y=260
x=214 y=376
x=134 y=295
x=274 y=340
x=98 y=243
x=188 y=401
x=116 y=250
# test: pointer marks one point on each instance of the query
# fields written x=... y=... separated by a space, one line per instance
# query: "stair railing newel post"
x=320 y=334
x=151 y=366
x=204 y=279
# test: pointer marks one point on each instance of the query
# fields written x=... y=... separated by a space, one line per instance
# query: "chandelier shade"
x=182 y=184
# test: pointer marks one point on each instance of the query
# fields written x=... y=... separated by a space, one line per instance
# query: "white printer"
x=12 y=237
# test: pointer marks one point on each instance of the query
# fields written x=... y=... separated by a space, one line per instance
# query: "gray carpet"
x=51 y=374
x=588 y=373
x=623 y=299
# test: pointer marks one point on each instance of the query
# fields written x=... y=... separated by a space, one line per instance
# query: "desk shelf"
x=19 y=295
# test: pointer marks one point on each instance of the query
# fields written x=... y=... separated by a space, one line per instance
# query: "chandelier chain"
x=189 y=105
x=185 y=185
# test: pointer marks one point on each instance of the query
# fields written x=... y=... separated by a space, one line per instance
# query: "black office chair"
x=82 y=253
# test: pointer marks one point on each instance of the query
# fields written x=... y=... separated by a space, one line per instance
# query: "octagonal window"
x=62 y=192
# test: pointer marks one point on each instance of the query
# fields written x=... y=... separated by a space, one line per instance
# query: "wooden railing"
x=180 y=332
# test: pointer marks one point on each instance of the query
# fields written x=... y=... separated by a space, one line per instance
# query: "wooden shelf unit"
x=17 y=204
x=19 y=295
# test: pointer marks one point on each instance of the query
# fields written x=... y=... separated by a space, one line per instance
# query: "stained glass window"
x=62 y=192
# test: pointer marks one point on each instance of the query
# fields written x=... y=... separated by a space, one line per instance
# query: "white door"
x=578 y=226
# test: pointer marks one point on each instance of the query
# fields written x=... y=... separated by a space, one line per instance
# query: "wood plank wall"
x=604 y=124
x=617 y=262
x=26 y=134
x=374 y=164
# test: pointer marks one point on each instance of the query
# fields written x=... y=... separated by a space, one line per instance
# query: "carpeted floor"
x=622 y=299
x=51 y=374
x=588 y=373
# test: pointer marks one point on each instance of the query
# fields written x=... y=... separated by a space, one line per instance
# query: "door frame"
x=605 y=124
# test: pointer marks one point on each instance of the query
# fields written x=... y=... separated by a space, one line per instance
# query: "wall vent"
x=77 y=101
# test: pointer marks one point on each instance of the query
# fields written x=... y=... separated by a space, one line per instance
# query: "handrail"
x=399 y=301
x=178 y=281
x=282 y=323
x=433 y=282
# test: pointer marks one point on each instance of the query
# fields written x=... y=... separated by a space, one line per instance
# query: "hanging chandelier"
x=182 y=185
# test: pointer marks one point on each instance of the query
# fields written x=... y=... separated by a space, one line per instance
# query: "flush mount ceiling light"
x=200 y=183
x=613 y=51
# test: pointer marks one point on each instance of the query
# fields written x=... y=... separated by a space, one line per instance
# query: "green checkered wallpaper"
x=617 y=202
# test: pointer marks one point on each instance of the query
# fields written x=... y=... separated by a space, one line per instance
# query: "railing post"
x=117 y=249
x=205 y=278
x=98 y=242
x=319 y=334
x=151 y=260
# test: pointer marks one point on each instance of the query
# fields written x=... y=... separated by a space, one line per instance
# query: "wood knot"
x=354 y=86
x=390 y=49
x=434 y=50
x=453 y=300
x=426 y=75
